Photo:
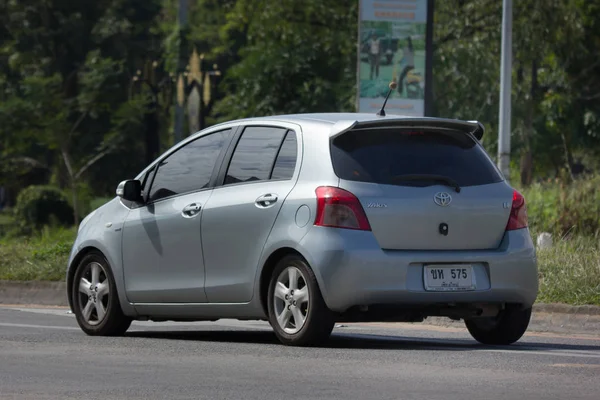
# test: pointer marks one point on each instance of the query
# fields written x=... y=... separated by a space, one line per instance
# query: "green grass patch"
x=565 y=208
x=40 y=257
x=570 y=271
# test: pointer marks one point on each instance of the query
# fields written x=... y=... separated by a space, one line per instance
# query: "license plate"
x=448 y=278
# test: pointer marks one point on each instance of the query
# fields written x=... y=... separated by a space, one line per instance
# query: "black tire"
x=114 y=322
x=319 y=320
x=504 y=329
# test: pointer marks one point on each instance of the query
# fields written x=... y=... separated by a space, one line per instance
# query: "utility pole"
x=505 y=90
x=181 y=63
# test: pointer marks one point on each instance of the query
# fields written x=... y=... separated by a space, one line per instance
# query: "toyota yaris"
x=305 y=220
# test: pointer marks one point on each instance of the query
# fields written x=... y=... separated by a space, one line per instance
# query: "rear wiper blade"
x=428 y=177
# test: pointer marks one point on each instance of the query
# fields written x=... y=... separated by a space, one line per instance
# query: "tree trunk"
x=75 y=200
x=526 y=168
x=568 y=155
x=152 y=134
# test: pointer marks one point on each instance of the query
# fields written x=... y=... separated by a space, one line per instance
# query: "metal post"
x=179 y=106
x=505 y=90
x=429 y=60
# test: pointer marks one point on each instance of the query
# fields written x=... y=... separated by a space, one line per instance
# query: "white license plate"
x=447 y=278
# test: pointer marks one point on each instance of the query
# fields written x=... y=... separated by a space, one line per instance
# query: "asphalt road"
x=44 y=355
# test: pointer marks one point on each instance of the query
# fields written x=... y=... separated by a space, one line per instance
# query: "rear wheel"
x=95 y=300
x=297 y=311
x=506 y=328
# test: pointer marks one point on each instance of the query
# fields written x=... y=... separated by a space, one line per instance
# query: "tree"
x=65 y=73
x=293 y=57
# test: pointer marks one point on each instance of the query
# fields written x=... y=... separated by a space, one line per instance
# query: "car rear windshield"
x=383 y=155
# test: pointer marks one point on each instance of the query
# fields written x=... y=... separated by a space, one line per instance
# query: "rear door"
x=396 y=174
x=239 y=216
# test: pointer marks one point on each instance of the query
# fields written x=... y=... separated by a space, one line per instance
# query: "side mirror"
x=130 y=190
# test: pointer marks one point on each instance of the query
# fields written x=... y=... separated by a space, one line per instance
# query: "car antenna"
x=393 y=86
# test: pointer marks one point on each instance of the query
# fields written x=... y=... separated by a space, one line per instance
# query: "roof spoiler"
x=474 y=128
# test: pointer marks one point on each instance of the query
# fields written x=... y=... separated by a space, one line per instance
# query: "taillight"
x=339 y=208
x=518 y=213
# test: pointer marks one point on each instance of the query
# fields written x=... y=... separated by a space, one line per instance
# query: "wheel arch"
x=73 y=267
x=267 y=270
x=88 y=248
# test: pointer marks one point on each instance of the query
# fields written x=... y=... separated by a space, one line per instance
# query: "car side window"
x=255 y=154
x=189 y=168
x=147 y=180
x=286 y=159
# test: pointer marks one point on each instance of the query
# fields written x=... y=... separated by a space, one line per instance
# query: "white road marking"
x=67 y=328
x=548 y=352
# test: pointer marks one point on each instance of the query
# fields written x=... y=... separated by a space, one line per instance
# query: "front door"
x=239 y=215
x=162 y=244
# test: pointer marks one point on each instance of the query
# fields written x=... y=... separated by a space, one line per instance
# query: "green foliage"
x=564 y=209
x=569 y=272
x=42 y=256
x=296 y=57
x=7 y=222
x=38 y=206
x=65 y=89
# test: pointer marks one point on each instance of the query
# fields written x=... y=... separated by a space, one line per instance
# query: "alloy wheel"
x=291 y=300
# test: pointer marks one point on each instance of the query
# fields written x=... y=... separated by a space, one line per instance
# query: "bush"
x=41 y=256
x=7 y=222
x=565 y=208
x=38 y=206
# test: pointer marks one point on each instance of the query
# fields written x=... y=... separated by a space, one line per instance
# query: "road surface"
x=44 y=355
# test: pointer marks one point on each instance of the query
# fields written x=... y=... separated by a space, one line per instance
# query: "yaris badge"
x=442 y=199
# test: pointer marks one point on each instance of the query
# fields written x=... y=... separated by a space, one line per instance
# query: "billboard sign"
x=393 y=45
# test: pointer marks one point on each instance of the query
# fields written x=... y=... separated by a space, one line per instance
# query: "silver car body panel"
x=218 y=274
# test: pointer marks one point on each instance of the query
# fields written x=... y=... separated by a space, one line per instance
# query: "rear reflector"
x=338 y=208
x=518 y=213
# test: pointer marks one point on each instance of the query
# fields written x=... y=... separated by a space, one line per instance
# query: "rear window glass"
x=382 y=155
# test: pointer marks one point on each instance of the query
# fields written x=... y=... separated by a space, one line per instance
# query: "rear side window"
x=255 y=154
x=382 y=155
x=286 y=159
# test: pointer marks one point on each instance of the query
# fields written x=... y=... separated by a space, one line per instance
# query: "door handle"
x=266 y=200
x=191 y=210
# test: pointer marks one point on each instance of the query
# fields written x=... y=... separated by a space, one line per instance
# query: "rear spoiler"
x=474 y=128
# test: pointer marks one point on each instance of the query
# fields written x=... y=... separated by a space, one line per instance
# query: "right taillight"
x=338 y=208
x=518 y=213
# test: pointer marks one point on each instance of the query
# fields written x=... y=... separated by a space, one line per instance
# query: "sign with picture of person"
x=393 y=46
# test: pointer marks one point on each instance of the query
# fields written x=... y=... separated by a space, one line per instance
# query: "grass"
x=570 y=271
x=41 y=257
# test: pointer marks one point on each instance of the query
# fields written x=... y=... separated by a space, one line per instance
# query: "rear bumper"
x=352 y=270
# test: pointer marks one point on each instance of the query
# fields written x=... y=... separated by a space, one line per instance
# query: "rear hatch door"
x=424 y=188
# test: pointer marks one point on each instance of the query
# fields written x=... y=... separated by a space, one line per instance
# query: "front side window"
x=255 y=154
x=189 y=168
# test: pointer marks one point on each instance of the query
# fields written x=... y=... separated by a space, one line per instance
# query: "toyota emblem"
x=442 y=199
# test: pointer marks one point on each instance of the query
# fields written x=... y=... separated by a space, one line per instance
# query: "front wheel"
x=297 y=311
x=95 y=300
x=506 y=328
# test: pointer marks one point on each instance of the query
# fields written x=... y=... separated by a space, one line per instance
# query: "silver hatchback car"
x=304 y=220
